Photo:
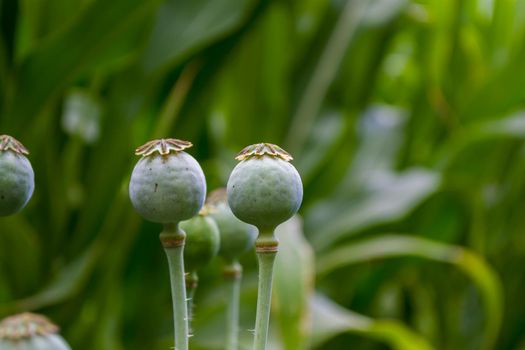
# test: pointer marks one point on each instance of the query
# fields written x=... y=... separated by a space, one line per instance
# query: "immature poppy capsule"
x=202 y=241
x=167 y=184
x=29 y=331
x=237 y=237
x=17 y=179
x=264 y=189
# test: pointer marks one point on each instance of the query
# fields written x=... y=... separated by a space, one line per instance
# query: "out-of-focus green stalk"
x=323 y=74
x=233 y=276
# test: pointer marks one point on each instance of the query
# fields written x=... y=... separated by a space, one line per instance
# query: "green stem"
x=266 y=249
x=192 y=281
x=233 y=275
x=324 y=74
x=172 y=239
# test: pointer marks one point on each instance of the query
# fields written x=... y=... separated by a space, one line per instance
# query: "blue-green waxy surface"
x=17 y=182
x=202 y=241
x=264 y=191
x=167 y=188
x=237 y=237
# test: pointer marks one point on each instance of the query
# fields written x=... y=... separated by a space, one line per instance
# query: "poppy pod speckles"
x=30 y=332
x=264 y=189
x=17 y=179
x=167 y=184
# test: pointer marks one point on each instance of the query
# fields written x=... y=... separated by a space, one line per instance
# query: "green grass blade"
x=293 y=285
x=331 y=319
x=391 y=246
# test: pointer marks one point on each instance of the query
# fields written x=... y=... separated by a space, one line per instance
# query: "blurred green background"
x=406 y=121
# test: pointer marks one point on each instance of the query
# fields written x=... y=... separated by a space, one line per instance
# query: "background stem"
x=323 y=75
x=172 y=239
x=233 y=276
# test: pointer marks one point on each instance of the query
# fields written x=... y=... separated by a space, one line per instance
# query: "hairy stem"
x=192 y=281
x=233 y=275
x=172 y=239
x=266 y=249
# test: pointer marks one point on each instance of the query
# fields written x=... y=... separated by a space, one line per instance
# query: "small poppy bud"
x=237 y=237
x=202 y=241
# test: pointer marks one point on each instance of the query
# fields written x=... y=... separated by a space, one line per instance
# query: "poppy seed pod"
x=264 y=189
x=29 y=331
x=237 y=237
x=202 y=241
x=17 y=179
x=167 y=184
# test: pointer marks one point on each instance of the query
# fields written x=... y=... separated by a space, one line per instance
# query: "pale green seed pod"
x=29 y=331
x=17 y=179
x=167 y=184
x=202 y=241
x=237 y=237
x=264 y=189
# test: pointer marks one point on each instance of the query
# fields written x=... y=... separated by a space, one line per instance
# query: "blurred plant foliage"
x=406 y=120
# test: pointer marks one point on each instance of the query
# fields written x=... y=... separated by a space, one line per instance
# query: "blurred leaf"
x=40 y=19
x=293 y=285
x=331 y=320
x=171 y=108
x=389 y=197
x=63 y=57
x=325 y=137
x=378 y=12
x=69 y=280
x=389 y=246
x=20 y=255
x=325 y=71
x=185 y=26
x=507 y=128
x=502 y=28
x=439 y=49
x=380 y=135
x=261 y=113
